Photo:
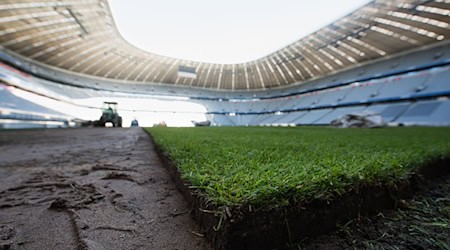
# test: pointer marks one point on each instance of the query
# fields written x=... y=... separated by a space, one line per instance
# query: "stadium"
x=338 y=140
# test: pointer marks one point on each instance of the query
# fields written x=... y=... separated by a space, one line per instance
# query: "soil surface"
x=92 y=188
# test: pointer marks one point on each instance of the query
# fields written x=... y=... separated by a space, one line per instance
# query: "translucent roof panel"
x=81 y=36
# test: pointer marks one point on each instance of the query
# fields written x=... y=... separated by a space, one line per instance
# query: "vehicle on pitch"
x=109 y=114
x=134 y=123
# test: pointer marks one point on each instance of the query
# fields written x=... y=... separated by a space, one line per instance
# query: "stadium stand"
x=389 y=112
x=435 y=112
x=16 y=112
x=383 y=93
x=336 y=113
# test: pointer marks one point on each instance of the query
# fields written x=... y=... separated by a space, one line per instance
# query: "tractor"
x=109 y=114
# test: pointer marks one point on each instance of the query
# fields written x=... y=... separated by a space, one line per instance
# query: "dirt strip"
x=89 y=189
x=286 y=227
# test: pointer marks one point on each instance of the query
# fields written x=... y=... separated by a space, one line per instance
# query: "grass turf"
x=273 y=166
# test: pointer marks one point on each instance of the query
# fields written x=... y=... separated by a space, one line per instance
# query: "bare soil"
x=91 y=188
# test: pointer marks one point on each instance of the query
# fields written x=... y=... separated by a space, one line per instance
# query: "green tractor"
x=109 y=114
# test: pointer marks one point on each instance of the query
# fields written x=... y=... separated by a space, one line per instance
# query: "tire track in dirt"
x=89 y=189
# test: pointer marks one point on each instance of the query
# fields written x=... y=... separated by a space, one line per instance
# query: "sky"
x=232 y=31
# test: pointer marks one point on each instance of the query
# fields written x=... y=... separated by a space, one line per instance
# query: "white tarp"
x=359 y=120
x=201 y=124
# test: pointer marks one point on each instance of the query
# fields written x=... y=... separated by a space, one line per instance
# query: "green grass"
x=272 y=166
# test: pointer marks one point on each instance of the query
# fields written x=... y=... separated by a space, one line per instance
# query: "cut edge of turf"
x=247 y=227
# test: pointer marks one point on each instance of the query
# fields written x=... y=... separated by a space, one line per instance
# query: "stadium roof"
x=81 y=36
